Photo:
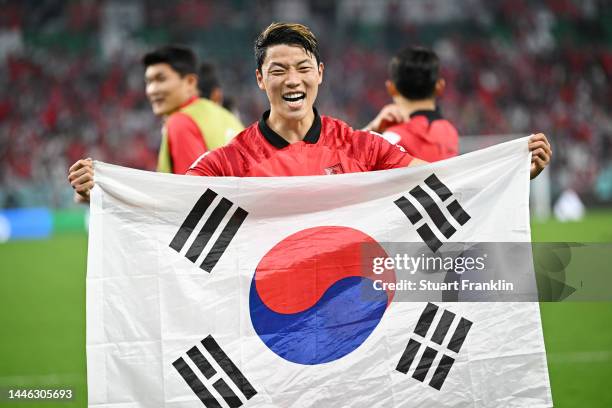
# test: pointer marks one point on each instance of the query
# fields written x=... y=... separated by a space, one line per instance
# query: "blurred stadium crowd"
x=72 y=83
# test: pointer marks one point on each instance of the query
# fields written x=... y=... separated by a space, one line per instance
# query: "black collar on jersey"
x=276 y=140
x=431 y=115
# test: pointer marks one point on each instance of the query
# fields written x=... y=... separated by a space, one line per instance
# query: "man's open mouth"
x=294 y=96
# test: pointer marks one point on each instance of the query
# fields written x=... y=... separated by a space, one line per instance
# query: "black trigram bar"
x=408 y=357
x=458 y=212
x=438 y=187
x=195 y=384
x=208 y=229
x=201 y=362
x=429 y=355
x=434 y=211
x=192 y=219
x=441 y=372
x=227 y=394
x=224 y=239
x=442 y=328
x=460 y=334
x=429 y=237
x=229 y=367
x=211 y=224
x=425 y=320
x=426 y=359
x=407 y=208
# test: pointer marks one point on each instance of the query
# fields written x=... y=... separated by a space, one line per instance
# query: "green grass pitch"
x=42 y=321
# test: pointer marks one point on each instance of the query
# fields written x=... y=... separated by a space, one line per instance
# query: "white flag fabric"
x=222 y=292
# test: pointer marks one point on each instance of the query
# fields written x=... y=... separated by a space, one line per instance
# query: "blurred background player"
x=414 y=120
x=209 y=85
x=210 y=88
x=193 y=125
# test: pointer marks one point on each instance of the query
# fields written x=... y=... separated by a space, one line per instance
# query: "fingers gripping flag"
x=225 y=292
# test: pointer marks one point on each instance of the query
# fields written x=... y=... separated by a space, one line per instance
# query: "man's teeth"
x=293 y=97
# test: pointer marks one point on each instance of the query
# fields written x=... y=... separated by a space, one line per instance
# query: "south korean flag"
x=229 y=292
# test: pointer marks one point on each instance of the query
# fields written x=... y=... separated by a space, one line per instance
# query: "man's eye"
x=304 y=69
x=276 y=72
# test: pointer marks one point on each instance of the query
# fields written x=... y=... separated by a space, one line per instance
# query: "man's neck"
x=181 y=106
x=189 y=100
x=409 y=106
x=290 y=130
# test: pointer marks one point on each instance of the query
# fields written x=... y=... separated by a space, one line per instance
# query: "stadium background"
x=72 y=86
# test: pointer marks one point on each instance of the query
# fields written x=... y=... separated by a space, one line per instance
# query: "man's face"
x=291 y=77
x=166 y=89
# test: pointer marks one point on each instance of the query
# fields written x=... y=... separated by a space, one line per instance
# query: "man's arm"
x=383 y=155
x=417 y=162
x=81 y=178
x=208 y=164
x=540 y=149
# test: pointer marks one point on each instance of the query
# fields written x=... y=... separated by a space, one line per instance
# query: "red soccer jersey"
x=329 y=147
x=185 y=139
x=426 y=136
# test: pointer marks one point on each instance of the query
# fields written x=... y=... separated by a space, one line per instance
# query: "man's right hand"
x=81 y=178
x=389 y=115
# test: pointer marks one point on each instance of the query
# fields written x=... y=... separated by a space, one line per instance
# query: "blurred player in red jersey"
x=192 y=125
x=292 y=139
x=413 y=120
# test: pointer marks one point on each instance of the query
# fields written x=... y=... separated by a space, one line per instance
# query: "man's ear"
x=391 y=88
x=440 y=86
x=192 y=80
x=216 y=95
x=260 y=82
x=321 y=69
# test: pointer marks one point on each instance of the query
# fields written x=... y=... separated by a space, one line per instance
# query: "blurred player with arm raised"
x=414 y=120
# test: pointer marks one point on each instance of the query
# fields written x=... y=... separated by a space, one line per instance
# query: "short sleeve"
x=383 y=155
x=185 y=141
x=206 y=165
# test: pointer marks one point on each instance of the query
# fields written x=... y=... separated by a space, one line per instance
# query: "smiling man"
x=292 y=139
x=193 y=125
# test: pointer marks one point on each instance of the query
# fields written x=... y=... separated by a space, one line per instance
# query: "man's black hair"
x=414 y=71
x=207 y=79
x=180 y=58
x=288 y=34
